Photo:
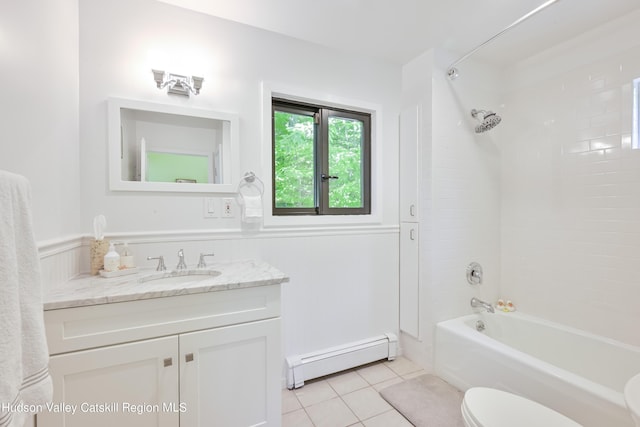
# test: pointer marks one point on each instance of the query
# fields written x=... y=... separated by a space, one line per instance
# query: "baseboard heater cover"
x=335 y=359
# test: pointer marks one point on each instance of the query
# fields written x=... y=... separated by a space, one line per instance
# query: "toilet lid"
x=487 y=407
x=632 y=397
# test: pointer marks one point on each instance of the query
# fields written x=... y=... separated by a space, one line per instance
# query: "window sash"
x=365 y=162
x=321 y=156
x=299 y=210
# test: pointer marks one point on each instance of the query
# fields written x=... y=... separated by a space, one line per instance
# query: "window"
x=321 y=160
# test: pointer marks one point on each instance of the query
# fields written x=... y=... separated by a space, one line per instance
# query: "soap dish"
x=118 y=273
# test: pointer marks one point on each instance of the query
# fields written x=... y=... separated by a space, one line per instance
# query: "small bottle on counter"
x=111 y=259
x=126 y=259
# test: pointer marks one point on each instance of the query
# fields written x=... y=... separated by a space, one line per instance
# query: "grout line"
x=369 y=385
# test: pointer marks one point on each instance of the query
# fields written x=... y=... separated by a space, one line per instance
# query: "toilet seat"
x=487 y=407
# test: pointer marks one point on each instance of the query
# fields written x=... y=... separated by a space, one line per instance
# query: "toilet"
x=488 y=407
x=632 y=398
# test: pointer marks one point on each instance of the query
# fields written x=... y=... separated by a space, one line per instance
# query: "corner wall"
x=39 y=108
x=460 y=190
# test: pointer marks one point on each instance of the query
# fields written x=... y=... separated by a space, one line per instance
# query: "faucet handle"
x=201 y=262
x=474 y=274
x=161 y=266
x=181 y=264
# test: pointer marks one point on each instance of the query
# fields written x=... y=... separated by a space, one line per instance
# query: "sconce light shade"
x=177 y=84
x=197 y=83
x=158 y=76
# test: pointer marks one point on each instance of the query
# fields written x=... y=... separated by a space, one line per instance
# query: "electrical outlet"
x=211 y=207
x=228 y=208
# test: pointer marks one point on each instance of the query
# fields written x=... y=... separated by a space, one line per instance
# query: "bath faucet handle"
x=474 y=274
x=201 y=262
x=181 y=264
x=161 y=266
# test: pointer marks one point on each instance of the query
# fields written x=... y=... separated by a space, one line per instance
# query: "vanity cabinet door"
x=230 y=376
x=127 y=385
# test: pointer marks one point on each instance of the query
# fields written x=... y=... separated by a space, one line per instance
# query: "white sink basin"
x=632 y=398
x=179 y=276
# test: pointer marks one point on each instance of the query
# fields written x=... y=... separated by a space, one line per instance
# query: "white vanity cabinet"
x=206 y=359
x=98 y=382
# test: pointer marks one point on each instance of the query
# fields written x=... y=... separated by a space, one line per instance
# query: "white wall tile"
x=571 y=254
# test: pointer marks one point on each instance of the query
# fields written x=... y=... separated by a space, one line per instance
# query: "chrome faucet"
x=201 y=262
x=475 y=302
x=181 y=264
x=161 y=266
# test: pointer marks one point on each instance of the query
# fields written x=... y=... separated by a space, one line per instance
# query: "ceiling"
x=399 y=30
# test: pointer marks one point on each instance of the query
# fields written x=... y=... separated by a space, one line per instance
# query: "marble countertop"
x=88 y=290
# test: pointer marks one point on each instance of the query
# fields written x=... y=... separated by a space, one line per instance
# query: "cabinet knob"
x=168 y=361
x=412 y=210
x=188 y=357
x=412 y=234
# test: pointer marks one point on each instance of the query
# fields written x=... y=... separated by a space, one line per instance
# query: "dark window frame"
x=321 y=113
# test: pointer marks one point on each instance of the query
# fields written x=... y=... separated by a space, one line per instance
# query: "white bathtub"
x=576 y=373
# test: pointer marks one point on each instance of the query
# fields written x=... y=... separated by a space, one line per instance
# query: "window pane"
x=346 y=138
x=294 y=160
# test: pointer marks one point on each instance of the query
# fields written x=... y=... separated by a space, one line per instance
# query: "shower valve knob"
x=474 y=274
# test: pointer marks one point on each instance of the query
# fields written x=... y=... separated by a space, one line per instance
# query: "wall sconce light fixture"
x=177 y=84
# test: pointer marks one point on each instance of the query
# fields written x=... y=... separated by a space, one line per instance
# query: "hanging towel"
x=25 y=383
x=252 y=208
x=249 y=197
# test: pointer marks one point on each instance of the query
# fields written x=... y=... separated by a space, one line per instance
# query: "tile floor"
x=349 y=398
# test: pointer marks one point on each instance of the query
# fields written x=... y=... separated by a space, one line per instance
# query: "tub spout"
x=475 y=302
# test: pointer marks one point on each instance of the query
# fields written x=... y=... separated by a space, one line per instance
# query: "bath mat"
x=426 y=401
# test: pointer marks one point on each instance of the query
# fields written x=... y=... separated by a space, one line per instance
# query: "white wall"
x=460 y=191
x=344 y=280
x=39 y=108
x=234 y=59
x=571 y=183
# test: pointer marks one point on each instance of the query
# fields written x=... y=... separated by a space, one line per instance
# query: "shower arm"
x=452 y=72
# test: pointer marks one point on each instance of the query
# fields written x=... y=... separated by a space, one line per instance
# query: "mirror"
x=159 y=147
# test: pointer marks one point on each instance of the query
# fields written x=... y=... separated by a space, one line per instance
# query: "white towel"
x=24 y=357
x=252 y=208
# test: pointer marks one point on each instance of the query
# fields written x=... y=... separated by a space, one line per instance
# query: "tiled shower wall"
x=571 y=186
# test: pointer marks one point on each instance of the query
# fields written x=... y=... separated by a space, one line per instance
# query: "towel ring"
x=250 y=179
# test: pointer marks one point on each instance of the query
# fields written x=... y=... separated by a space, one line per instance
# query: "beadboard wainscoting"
x=343 y=282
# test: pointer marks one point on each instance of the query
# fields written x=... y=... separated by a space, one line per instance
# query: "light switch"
x=211 y=207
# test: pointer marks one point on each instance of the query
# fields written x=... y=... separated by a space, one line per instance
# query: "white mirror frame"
x=231 y=149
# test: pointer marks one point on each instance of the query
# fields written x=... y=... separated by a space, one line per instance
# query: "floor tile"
x=402 y=366
x=315 y=392
x=297 y=418
x=366 y=403
x=289 y=401
x=388 y=419
x=331 y=413
x=387 y=383
x=347 y=382
x=377 y=373
x=414 y=374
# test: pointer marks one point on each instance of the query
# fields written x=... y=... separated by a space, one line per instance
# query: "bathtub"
x=576 y=373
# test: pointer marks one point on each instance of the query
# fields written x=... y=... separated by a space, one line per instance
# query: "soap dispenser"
x=126 y=259
x=111 y=259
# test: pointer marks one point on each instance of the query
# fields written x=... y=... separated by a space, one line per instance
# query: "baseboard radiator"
x=335 y=359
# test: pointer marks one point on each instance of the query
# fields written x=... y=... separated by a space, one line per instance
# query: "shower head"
x=489 y=120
